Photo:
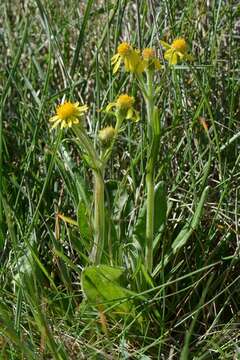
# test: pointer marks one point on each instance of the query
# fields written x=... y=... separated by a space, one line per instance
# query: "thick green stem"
x=105 y=157
x=153 y=139
x=150 y=104
x=149 y=221
x=99 y=208
x=88 y=146
x=99 y=218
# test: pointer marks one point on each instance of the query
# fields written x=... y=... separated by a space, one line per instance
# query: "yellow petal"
x=83 y=108
x=63 y=124
x=117 y=65
x=129 y=113
x=168 y=54
x=141 y=66
x=165 y=45
x=181 y=55
x=171 y=56
x=56 y=124
x=54 y=118
x=136 y=116
x=114 y=59
x=134 y=62
x=174 y=59
x=127 y=64
x=110 y=106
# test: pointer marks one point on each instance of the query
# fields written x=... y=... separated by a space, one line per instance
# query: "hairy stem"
x=149 y=221
x=99 y=208
x=99 y=218
x=153 y=138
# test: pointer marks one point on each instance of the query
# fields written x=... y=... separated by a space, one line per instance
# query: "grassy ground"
x=190 y=307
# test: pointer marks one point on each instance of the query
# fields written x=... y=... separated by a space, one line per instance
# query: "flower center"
x=125 y=102
x=66 y=110
x=124 y=49
x=179 y=45
x=148 y=53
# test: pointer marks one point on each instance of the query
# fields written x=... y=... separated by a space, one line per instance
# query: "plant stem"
x=88 y=146
x=104 y=158
x=99 y=218
x=153 y=139
x=99 y=206
x=149 y=221
x=150 y=104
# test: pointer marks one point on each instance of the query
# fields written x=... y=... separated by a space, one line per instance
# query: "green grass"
x=189 y=307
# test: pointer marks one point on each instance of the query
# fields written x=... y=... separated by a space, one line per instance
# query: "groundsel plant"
x=142 y=65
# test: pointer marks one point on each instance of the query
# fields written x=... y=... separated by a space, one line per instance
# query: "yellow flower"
x=124 y=107
x=150 y=59
x=68 y=114
x=125 y=102
x=106 y=134
x=176 y=52
x=130 y=57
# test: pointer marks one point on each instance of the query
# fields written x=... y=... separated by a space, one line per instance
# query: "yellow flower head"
x=180 y=45
x=148 y=54
x=124 y=102
x=107 y=134
x=68 y=114
x=124 y=107
x=176 y=52
x=130 y=57
x=150 y=59
x=124 y=49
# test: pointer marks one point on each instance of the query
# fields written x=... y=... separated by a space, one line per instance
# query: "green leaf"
x=189 y=228
x=140 y=227
x=160 y=212
x=83 y=221
x=160 y=209
x=100 y=285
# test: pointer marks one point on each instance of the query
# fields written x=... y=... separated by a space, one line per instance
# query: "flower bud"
x=107 y=134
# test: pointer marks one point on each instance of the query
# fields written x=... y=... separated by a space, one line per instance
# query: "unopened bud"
x=107 y=134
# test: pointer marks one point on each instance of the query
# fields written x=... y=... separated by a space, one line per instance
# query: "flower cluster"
x=134 y=61
x=130 y=57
